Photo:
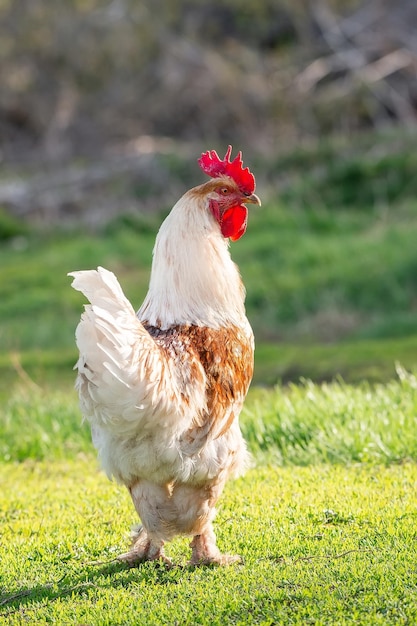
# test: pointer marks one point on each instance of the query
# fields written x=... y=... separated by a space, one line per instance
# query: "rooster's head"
x=232 y=188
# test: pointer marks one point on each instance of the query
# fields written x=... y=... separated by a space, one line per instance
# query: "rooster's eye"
x=224 y=191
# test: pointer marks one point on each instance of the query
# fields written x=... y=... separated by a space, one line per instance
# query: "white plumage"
x=163 y=389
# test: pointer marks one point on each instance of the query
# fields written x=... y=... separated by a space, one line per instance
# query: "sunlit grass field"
x=325 y=520
x=320 y=545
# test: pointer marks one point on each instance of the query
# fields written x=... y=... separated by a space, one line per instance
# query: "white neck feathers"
x=193 y=279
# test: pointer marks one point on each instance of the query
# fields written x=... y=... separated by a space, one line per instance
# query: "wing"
x=127 y=383
x=226 y=357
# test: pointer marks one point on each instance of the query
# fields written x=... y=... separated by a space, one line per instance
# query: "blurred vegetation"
x=81 y=75
x=331 y=284
x=103 y=110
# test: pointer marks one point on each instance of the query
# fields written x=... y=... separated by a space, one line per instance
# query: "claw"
x=133 y=558
x=143 y=549
x=205 y=551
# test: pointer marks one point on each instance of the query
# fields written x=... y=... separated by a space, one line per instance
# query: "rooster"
x=162 y=389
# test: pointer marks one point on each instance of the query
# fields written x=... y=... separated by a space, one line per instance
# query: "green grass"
x=296 y=425
x=325 y=520
x=373 y=360
x=353 y=275
x=320 y=545
x=334 y=423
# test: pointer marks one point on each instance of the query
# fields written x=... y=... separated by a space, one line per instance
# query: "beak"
x=252 y=199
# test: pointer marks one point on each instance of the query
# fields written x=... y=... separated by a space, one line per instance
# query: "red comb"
x=211 y=164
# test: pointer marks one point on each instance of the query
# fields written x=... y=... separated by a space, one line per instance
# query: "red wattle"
x=234 y=222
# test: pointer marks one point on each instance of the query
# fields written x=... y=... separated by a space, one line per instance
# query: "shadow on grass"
x=112 y=574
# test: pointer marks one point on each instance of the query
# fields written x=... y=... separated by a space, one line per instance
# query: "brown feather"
x=226 y=356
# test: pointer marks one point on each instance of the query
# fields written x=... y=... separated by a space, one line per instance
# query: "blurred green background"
x=104 y=109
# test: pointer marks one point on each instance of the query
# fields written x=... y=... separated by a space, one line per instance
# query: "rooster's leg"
x=146 y=546
x=144 y=549
x=206 y=552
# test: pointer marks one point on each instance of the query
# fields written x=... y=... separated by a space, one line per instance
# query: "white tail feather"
x=125 y=381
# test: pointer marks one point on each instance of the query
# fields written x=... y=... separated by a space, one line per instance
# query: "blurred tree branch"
x=81 y=77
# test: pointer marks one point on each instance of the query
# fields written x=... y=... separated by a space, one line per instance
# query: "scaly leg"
x=144 y=549
x=206 y=552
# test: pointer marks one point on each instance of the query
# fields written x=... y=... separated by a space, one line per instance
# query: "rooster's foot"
x=205 y=552
x=143 y=549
